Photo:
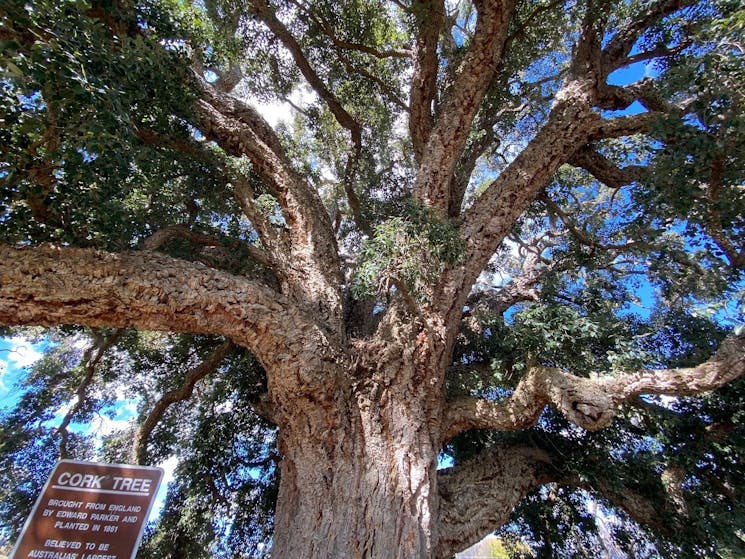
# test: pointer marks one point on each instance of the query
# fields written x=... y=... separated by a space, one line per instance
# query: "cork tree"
x=383 y=277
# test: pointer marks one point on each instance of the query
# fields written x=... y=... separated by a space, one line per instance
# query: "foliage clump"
x=406 y=253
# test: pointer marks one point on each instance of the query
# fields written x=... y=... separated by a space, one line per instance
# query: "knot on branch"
x=583 y=401
x=591 y=415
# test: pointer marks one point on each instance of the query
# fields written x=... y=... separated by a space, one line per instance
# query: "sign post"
x=89 y=511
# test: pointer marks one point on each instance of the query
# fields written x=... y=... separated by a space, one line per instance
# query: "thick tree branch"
x=617 y=98
x=50 y=285
x=184 y=392
x=430 y=18
x=605 y=170
x=450 y=132
x=484 y=141
x=311 y=270
x=591 y=403
x=621 y=126
x=572 y=124
x=478 y=495
x=488 y=222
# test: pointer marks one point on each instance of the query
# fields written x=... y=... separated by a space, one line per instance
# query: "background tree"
x=493 y=233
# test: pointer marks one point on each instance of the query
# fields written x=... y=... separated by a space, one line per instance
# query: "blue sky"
x=15 y=354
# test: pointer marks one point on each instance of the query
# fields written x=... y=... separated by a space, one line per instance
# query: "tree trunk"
x=359 y=469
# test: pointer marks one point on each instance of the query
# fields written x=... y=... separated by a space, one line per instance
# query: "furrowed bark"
x=184 y=392
x=591 y=403
x=571 y=125
x=49 y=285
x=310 y=269
x=475 y=150
x=363 y=449
x=478 y=495
x=450 y=131
x=488 y=222
x=430 y=16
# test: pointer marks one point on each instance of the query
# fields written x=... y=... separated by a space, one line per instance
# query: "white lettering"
x=124 y=508
x=65 y=504
x=71 y=514
x=135 y=484
x=62 y=544
x=44 y=554
x=88 y=481
x=105 y=517
x=71 y=526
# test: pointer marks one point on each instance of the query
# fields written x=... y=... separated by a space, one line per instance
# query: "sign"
x=89 y=511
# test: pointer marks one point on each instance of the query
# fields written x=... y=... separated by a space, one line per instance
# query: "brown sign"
x=89 y=511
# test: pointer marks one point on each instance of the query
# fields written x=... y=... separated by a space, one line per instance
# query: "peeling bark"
x=488 y=222
x=361 y=421
x=309 y=270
